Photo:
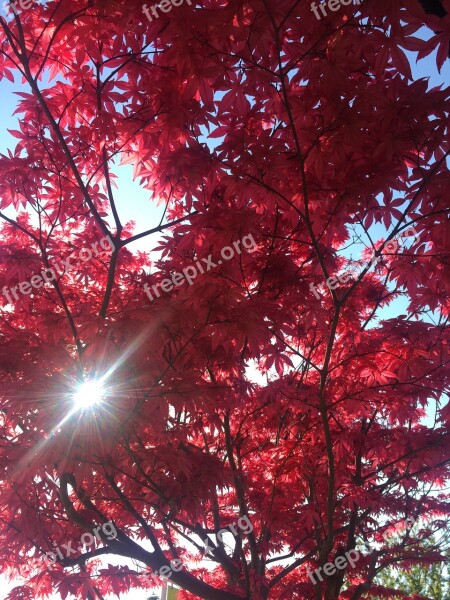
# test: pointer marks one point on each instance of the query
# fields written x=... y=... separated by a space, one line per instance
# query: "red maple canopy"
x=295 y=390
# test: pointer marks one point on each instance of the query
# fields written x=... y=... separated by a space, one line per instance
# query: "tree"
x=432 y=581
x=290 y=149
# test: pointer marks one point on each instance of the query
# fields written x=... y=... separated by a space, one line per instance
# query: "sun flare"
x=89 y=394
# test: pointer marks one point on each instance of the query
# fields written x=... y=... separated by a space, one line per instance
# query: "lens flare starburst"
x=89 y=393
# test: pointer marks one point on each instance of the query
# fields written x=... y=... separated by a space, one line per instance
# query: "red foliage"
x=241 y=117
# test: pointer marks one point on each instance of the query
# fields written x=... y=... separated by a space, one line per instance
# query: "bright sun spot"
x=88 y=394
